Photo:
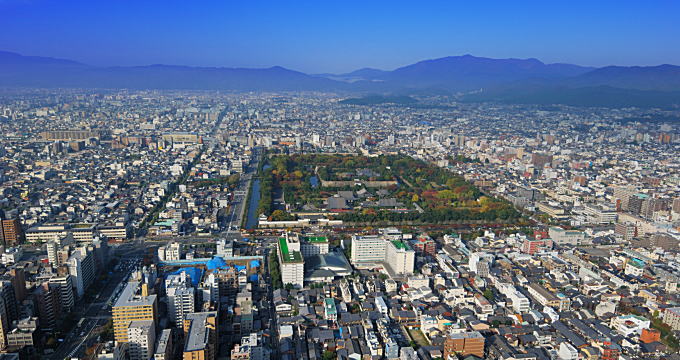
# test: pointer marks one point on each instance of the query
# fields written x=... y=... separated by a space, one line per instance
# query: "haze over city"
x=339 y=180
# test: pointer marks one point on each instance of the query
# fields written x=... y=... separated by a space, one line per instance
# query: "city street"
x=96 y=313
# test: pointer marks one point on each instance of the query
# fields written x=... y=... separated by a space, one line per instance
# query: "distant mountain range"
x=472 y=78
x=463 y=73
x=380 y=99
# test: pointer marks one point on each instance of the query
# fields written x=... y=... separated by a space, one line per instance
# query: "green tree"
x=446 y=194
x=328 y=355
x=280 y=215
x=488 y=294
x=107 y=331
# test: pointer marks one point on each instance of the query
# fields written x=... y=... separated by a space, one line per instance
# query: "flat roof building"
x=132 y=306
x=200 y=333
x=467 y=343
x=291 y=262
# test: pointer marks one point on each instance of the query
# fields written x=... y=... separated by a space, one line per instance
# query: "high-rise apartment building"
x=181 y=297
x=8 y=296
x=18 y=279
x=225 y=248
x=676 y=206
x=635 y=203
x=47 y=298
x=141 y=336
x=480 y=263
x=400 y=257
x=66 y=135
x=132 y=305
x=371 y=250
x=66 y=294
x=81 y=266
x=200 y=336
x=627 y=230
x=291 y=262
x=622 y=195
x=313 y=245
x=368 y=250
x=164 y=346
x=11 y=232
x=532 y=246
x=541 y=160
x=4 y=325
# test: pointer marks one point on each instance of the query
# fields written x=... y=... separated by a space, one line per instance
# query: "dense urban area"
x=204 y=225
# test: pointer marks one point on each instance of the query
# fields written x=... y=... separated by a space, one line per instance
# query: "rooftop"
x=198 y=336
x=129 y=297
x=163 y=340
x=330 y=306
x=466 y=335
x=400 y=245
x=143 y=325
x=314 y=239
x=286 y=256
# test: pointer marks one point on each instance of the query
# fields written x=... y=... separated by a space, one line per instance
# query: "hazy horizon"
x=339 y=38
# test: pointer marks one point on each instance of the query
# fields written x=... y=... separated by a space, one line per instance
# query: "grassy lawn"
x=418 y=337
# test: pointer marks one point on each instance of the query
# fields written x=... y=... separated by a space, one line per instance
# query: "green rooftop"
x=330 y=306
x=286 y=256
x=314 y=239
x=400 y=245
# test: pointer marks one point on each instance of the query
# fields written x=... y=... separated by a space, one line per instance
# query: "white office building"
x=313 y=245
x=81 y=266
x=170 y=252
x=400 y=258
x=181 y=297
x=371 y=250
x=142 y=339
x=566 y=237
x=368 y=250
x=291 y=262
x=225 y=248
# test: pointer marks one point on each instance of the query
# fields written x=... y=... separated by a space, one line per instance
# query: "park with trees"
x=429 y=194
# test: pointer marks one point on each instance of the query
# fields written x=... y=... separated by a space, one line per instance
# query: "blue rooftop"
x=216 y=263
x=194 y=273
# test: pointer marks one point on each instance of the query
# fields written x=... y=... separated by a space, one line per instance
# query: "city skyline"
x=265 y=180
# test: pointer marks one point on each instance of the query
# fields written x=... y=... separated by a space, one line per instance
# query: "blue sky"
x=338 y=36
